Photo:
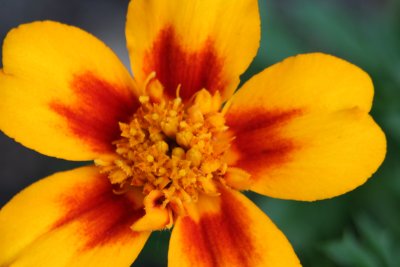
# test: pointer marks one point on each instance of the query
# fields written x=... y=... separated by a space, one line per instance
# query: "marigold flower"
x=166 y=151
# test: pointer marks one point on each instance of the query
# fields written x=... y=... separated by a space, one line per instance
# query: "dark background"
x=361 y=228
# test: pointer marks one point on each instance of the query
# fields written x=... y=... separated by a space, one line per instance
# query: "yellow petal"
x=238 y=179
x=157 y=217
x=71 y=219
x=228 y=231
x=195 y=44
x=62 y=91
x=303 y=131
x=312 y=81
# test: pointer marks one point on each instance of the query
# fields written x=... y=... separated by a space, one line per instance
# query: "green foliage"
x=369 y=245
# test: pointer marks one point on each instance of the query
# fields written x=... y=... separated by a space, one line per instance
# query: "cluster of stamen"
x=173 y=148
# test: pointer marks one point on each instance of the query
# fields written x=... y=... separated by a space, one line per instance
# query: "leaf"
x=369 y=245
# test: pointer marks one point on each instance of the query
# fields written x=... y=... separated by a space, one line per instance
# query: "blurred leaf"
x=378 y=240
x=348 y=252
x=371 y=245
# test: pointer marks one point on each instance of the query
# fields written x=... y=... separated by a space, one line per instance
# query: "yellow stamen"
x=172 y=148
x=182 y=173
x=194 y=156
x=150 y=158
x=184 y=138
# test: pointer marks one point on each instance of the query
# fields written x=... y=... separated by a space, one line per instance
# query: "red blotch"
x=222 y=238
x=98 y=108
x=259 y=139
x=103 y=216
x=176 y=65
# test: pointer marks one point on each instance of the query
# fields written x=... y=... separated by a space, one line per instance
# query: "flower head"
x=173 y=146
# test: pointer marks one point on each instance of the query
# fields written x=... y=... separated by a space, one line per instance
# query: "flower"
x=167 y=153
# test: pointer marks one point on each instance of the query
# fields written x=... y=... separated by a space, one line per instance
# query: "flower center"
x=171 y=148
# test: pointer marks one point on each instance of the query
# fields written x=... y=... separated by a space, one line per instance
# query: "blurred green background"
x=361 y=228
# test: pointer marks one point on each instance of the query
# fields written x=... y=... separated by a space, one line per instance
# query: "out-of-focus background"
x=361 y=228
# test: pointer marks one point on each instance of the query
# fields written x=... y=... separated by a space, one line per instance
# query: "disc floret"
x=173 y=148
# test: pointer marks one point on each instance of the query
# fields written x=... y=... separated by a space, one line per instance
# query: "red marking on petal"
x=99 y=107
x=259 y=141
x=103 y=216
x=223 y=237
x=175 y=65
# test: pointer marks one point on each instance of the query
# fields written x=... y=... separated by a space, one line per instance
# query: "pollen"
x=172 y=148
